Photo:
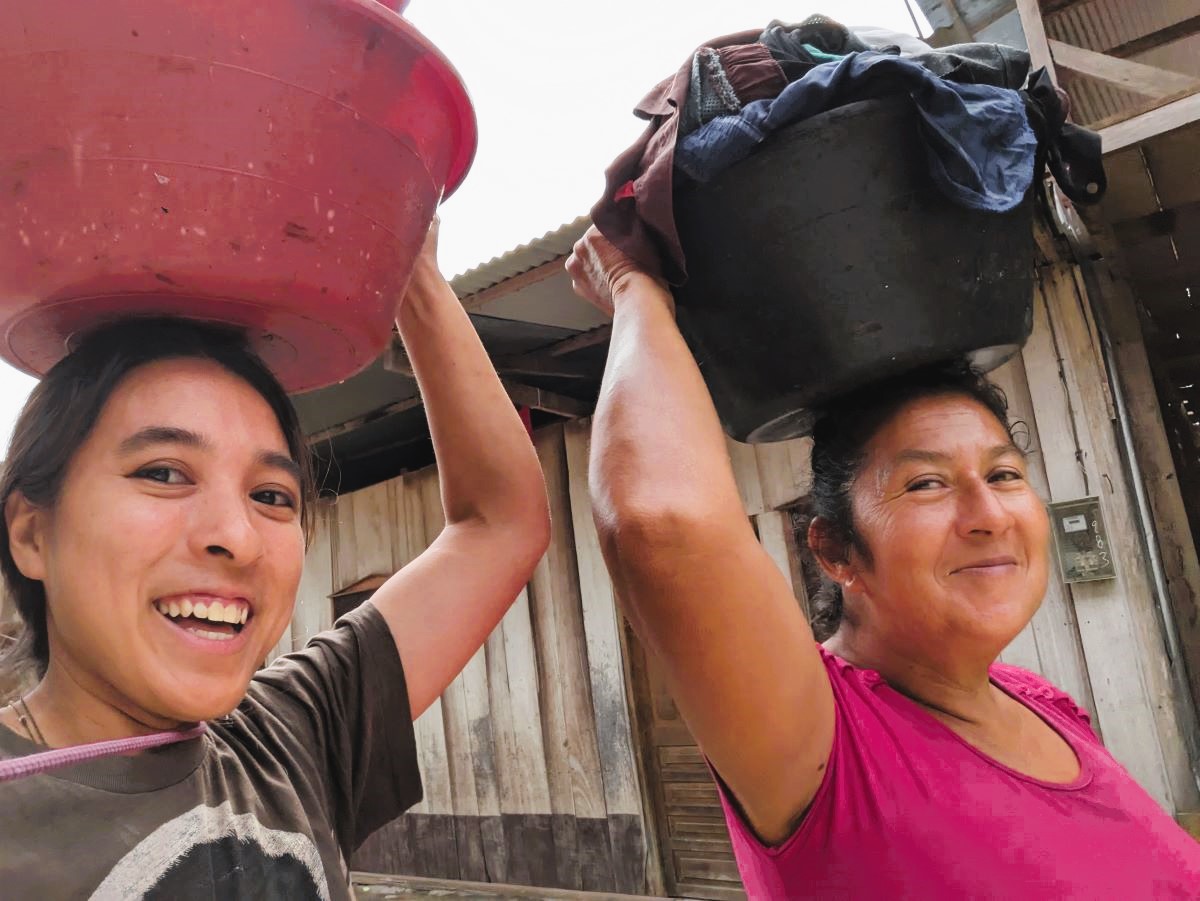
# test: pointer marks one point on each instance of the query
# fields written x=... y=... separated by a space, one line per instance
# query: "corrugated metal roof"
x=1103 y=26
x=550 y=246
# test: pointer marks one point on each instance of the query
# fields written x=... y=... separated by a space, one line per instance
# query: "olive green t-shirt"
x=269 y=803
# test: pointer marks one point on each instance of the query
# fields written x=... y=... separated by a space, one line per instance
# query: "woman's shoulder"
x=842 y=670
x=1037 y=691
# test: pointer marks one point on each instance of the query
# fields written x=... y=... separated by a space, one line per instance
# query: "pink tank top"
x=908 y=810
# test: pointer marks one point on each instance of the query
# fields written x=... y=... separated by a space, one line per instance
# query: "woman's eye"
x=1007 y=475
x=924 y=484
x=273 y=497
x=166 y=475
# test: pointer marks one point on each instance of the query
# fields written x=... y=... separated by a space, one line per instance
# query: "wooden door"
x=697 y=858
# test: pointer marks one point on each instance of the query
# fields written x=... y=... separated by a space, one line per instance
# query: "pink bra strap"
x=44 y=761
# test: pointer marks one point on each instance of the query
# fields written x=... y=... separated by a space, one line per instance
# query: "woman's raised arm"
x=700 y=591
x=443 y=605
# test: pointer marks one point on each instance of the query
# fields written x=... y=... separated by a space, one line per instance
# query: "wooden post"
x=1135 y=700
x=1035 y=36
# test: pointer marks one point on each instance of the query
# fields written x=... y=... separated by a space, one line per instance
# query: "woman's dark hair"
x=61 y=413
x=840 y=437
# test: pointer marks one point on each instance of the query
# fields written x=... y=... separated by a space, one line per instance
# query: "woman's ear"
x=830 y=552
x=26 y=539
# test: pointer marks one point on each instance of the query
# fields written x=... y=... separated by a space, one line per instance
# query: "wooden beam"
x=1149 y=81
x=543 y=360
x=590 y=338
x=400 y=406
x=1035 y=36
x=516 y=283
x=1168 y=117
x=519 y=366
x=547 y=401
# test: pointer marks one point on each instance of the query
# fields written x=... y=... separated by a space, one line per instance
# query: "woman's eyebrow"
x=161 y=434
x=277 y=460
x=1002 y=449
x=915 y=455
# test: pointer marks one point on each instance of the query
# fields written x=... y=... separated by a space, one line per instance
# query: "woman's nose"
x=225 y=527
x=981 y=510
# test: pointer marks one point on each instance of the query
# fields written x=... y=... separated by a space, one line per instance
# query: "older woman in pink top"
x=898 y=759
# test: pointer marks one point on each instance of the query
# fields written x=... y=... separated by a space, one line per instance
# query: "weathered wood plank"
x=774 y=529
x=572 y=757
x=521 y=754
x=456 y=722
x=1171 y=524
x=1131 y=191
x=744 y=461
x=373 y=519
x=1136 y=129
x=1131 y=688
x=1174 y=717
x=1172 y=160
x=1050 y=644
x=314 y=612
x=618 y=764
x=784 y=471
x=410 y=541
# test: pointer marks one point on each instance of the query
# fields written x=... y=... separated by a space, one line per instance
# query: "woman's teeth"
x=212 y=636
x=231 y=612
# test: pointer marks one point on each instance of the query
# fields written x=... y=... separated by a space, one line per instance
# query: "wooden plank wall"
x=1137 y=705
x=527 y=759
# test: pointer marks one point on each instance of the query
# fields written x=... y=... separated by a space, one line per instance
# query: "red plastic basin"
x=273 y=164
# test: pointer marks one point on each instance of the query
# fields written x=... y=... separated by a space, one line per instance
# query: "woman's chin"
x=207 y=704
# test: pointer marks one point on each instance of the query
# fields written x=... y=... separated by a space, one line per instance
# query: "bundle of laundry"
x=989 y=125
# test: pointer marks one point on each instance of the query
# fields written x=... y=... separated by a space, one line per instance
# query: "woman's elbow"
x=530 y=531
x=634 y=536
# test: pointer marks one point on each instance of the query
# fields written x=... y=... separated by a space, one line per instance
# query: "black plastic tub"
x=829 y=260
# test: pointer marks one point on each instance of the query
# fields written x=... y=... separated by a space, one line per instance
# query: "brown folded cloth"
x=637 y=211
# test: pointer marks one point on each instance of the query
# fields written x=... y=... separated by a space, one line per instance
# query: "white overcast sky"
x=553 y=84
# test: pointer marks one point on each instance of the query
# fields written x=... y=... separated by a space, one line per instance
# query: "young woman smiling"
x=156 y=496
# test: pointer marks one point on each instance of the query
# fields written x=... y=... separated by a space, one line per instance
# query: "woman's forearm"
x=489 y=470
